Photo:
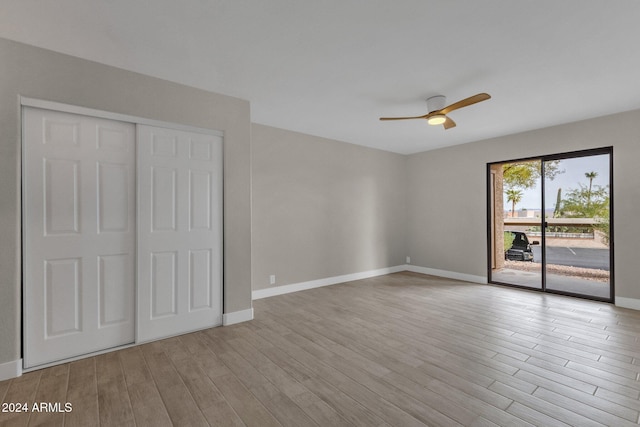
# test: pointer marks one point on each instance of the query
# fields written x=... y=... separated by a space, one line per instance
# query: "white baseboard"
x=10 y=370
x=631 y=303
x=448 y=274
x=237 y=317
x=302 y=286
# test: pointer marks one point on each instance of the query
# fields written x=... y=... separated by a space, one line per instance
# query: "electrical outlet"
x=408 y=260
x=272 y=279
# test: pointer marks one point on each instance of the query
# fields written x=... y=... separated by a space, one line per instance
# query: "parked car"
x=521 y=248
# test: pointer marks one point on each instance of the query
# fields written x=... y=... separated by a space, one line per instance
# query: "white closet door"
x=79 y=235
x=179 y=232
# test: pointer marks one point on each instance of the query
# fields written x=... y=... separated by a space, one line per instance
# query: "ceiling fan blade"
x=404 y=118
x=465 y=102
x=448 y=123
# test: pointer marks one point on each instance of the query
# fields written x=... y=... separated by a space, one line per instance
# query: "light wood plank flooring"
x=397 y=350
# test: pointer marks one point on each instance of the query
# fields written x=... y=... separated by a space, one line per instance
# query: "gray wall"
x=43 y=74
x=447 y=194
x=323 y=208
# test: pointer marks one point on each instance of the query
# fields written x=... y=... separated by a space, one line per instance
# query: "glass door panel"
x=517 y=220
x=577 y=218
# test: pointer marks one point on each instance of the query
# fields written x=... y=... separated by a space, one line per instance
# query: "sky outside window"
x=571 y=178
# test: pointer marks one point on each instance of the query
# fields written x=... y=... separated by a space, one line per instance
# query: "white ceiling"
x=332 y=67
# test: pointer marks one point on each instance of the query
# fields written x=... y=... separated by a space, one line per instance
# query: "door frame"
x=491 y=218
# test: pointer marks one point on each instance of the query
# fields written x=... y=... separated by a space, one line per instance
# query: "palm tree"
x=591 y=175
x=514 y=196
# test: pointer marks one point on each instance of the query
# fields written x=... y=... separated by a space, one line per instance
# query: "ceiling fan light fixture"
x=437 y=114
x=437 y=119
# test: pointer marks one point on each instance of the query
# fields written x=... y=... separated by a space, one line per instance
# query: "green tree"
x=525 y=174
x=589 y=202
x=514 y=196
x=603 y=227
x=586 y=202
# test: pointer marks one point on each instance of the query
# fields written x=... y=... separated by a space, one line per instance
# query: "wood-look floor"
x=397 y=350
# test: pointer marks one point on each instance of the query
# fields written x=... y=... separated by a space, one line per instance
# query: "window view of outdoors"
x=575 y=223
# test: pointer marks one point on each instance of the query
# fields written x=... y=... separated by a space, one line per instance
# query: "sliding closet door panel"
x=180 y=232
x=79 y=234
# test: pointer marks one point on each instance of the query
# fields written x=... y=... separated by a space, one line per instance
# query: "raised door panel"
x=164 y=199
x=200 y=200
x=200 y=279
x=115 y=279
x=114 y=182
x=114 y=138
x=62 y=289
x=164 y=284
x=61 y=196
x=61 y=130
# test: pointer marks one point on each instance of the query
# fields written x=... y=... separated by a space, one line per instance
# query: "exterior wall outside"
x=498 y=223
x=522 y=213
x=323 y=208
x=445 y=184
x=42 y=74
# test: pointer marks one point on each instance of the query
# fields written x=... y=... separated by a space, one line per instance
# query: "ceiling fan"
x=437 y=114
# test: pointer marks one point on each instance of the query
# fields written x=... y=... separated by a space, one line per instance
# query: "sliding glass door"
x=550 y=223
x=577 y=233
x=516 y=216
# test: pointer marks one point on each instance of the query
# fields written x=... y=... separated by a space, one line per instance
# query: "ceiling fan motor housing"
x=437 y=102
